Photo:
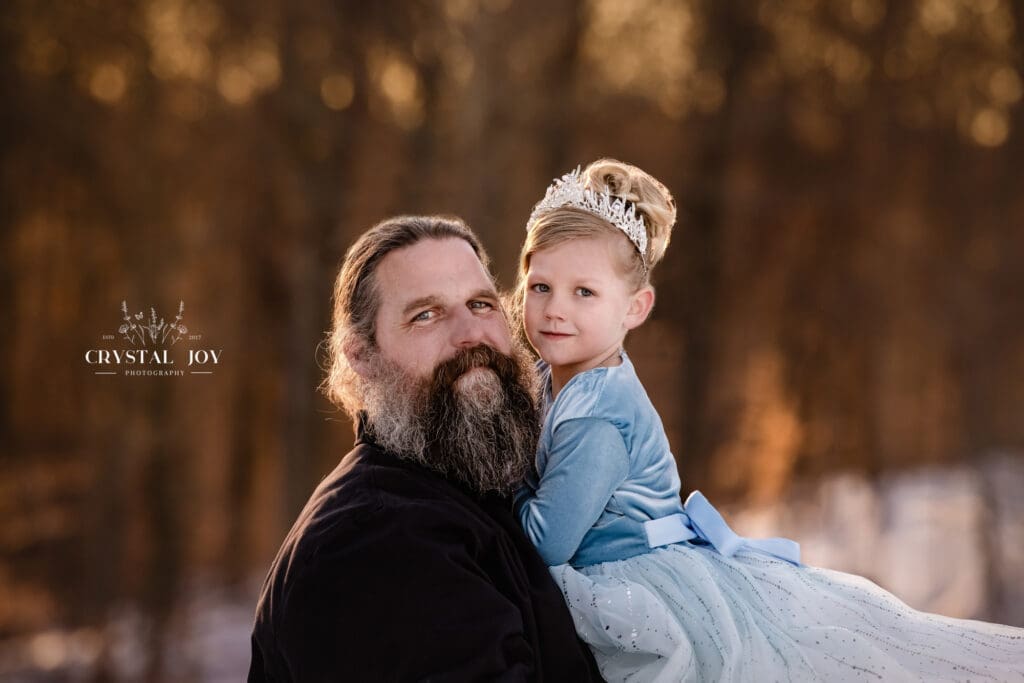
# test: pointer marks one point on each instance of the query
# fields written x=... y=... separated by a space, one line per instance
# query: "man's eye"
x=480 y=305
x=422 y=316
x=540 y=288
x=583 y=291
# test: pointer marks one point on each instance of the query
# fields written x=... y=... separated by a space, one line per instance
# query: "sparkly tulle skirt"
x=686 y=613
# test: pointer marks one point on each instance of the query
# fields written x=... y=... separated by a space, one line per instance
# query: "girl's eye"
x=540 y=288
x=583 y=291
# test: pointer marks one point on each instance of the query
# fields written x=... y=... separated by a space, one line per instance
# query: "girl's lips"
x=556 y=335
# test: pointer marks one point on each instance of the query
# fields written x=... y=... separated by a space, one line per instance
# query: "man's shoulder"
x=375 y=497
x=370 y=480
x=373 y=511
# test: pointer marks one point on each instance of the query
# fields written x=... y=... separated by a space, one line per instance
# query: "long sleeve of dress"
x=588 y=460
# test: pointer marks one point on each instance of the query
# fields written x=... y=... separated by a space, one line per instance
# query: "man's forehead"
x=441 y=269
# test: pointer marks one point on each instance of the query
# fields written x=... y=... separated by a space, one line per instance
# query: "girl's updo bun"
x=651 y=198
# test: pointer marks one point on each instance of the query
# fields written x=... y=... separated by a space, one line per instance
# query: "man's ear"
x=640 y=306
x=357 y=353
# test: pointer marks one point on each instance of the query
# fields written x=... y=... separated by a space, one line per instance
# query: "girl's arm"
x=587 y=462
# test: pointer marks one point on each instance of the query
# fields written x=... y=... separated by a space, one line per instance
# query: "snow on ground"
x=947 y=540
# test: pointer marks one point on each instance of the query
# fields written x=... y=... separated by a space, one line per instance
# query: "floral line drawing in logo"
x=136 y=329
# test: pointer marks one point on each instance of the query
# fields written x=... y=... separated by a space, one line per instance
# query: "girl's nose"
x=553 y=310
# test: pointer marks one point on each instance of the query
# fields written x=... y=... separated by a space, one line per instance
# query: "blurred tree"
x=841 y=292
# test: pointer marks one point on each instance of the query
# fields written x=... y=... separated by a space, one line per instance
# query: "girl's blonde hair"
x=652 y=200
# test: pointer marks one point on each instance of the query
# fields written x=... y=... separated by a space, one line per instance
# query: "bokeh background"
x=837 y=349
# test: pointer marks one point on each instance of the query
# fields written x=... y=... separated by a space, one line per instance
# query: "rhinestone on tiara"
x=570 y=191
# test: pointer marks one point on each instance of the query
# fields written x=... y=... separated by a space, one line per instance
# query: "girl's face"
x=578 y=306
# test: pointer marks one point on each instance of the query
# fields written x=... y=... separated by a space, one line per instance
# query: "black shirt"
x=393 y=573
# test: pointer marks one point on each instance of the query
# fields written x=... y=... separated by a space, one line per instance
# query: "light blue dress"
x=663 y=591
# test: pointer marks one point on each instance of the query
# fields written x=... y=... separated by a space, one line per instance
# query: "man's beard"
x=474 y=421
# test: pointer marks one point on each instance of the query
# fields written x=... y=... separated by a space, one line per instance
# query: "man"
x=406 y=563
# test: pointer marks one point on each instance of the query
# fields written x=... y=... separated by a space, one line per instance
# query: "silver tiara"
x=570 y=191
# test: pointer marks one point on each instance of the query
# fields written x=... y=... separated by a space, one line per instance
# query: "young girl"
x=660 y=590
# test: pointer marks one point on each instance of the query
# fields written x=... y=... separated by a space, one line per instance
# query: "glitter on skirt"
x=686 y=613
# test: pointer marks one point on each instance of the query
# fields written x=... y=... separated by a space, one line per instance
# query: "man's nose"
x=470 y=330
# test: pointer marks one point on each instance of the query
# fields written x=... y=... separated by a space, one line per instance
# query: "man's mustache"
x=480 y=356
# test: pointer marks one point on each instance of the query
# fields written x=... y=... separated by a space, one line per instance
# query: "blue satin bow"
x=701 y=520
